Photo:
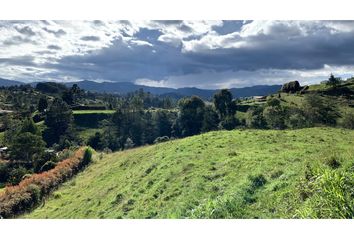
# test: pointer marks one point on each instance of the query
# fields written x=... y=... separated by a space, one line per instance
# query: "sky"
x=203 y=54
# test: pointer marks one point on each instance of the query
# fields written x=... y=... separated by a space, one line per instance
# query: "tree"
x=27 y=147
x=191 y=115
x=229 y=122
x=210 y=120
x=29 y=126
x=222 y=102
x=58 y=120
x=25 y=142
x=333 y=81
x=68 y=97
x=163 y=124
x=42 y=104
x=95 y=141
x=255 y=118
x=274 y=114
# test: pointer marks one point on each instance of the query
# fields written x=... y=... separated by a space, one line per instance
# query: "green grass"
x=93 y=111
x=224 y=174
x=86 y=133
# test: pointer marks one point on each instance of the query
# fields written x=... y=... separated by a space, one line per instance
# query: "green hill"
x=224 y=174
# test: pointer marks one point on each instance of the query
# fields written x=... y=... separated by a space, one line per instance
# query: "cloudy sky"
x=204 y=54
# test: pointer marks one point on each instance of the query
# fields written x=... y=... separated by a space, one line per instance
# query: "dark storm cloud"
x=90 y=38
x=301 y=53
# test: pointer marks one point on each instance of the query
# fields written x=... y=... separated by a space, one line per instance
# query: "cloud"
x=207 y=54
x=57 y=33
x=54 y=47
x=90 y=38
x=26 y=30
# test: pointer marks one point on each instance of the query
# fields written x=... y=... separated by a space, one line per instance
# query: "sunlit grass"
x=206 y=176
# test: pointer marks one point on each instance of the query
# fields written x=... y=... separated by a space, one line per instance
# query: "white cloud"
x=150 y=82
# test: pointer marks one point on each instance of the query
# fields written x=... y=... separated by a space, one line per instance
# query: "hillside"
x=126 y=87
x=227 y=174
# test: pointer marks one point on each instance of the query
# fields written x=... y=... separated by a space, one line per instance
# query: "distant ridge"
x=127 y=87
x=8 y=83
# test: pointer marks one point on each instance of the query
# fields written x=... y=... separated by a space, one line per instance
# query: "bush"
x=348 y=120
x=16 y=175
x=87 y=159
x=275 y=117
x=255 y=118
x=28 y=193
x=296 y=120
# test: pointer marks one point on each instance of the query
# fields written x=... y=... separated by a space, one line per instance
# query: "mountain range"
x=126 y=87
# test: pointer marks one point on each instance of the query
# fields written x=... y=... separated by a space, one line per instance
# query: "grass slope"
x=201 y=175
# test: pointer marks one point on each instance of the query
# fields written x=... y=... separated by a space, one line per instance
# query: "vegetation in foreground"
x=305 y=173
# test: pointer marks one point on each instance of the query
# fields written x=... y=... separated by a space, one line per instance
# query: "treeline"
x=133 y=126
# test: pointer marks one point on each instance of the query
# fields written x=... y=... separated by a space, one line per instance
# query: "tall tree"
x=333 y=81
x=42 y=104
x=191 y=115
x=223 y=102
x=27 y=144
x=58 y=120
x=163 y=123
x=210 y=120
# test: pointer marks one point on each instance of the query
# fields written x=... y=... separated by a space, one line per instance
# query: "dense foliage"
x=30 y=192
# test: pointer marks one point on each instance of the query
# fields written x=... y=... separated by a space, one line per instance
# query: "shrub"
x=29 y=192
x=348 y=120
x=16 y=175
x=255 y=118
x=87 y=159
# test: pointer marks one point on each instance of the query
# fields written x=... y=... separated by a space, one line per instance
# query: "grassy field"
x=86 y=133
x=93 y=111
x=227 y=174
